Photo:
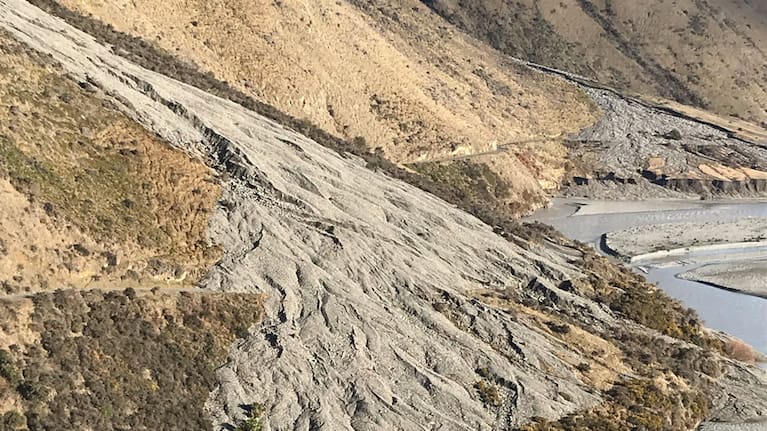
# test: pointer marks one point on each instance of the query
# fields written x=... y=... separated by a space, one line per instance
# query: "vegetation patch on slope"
x=656 y=373
x=475 y=186
x=120 y=202
x=637 y=404
x=120 y=360
x=520 y=31
x=670 y=388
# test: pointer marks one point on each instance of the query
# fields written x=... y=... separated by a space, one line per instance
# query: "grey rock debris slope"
x=637 y=151
x=352 y=262
x=355 y=266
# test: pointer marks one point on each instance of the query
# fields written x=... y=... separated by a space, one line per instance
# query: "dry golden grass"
x=697 y=52
x=88 y=194
x=408 y=83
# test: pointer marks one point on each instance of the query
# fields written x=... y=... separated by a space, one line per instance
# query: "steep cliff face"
x=699 y=52
x=386 y=307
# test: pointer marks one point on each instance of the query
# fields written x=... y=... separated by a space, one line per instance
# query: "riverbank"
x=732 y=253
x=744 y=316
x=749 y=277
x=642 y=243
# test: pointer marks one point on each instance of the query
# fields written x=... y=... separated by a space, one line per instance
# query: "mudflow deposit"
x=638 y=151
x=324 y=293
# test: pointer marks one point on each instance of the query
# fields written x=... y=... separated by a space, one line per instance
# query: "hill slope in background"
x=391 y=72
x=706 y=53
x=449 y=104
x=384 y=307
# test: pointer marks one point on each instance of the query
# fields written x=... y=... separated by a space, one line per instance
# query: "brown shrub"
x=740 y=351
x=488 y=393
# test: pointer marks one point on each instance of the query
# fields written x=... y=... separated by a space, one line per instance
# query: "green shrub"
x=8 y=369
x=12 y=421
x=254 y=420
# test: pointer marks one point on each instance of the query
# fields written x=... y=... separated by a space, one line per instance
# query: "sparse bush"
x=557 y=328
x=518 y=30
x=8 y=369
x=133 y=363
x=241 y=332
x=697 y=25
x=254 y=420
x=12 y=421
x=360 y=143
x=635 y=404
x=631 y=296
x=31 y=391
x=488 y=393
x=740 y=351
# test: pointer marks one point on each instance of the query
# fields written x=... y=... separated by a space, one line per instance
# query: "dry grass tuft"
x=740 y=351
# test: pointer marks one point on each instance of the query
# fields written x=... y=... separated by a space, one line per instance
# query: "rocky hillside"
x=384 y=306
x=698 y=52
x=519 y=129
x=409 y=83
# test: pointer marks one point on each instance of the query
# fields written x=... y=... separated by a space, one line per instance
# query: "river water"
x=741 y=315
